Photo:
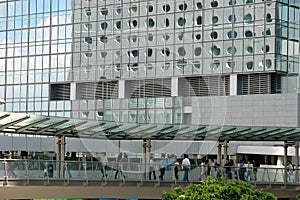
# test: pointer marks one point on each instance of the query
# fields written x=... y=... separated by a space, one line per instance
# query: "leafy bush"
x=211 y=189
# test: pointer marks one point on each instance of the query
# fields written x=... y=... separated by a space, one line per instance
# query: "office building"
x=199 y=62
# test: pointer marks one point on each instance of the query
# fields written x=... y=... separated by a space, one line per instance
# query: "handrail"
x=27 y=170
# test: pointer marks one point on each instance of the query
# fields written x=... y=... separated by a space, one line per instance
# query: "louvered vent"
x=205 y=86
x=60 y=91
x=150 y=88
x=100 y=90
x=264 y=83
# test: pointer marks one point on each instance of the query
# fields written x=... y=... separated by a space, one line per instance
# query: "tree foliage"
x=211 y=189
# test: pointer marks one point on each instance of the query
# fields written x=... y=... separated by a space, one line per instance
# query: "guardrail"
x=47 y=170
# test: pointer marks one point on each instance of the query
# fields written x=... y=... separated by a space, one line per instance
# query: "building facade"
x=218 y=62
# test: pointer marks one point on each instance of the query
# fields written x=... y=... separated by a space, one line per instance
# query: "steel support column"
x=146 y=156
x=60 y=145
x=285 y=146
x=219 y=156
x=296 y=160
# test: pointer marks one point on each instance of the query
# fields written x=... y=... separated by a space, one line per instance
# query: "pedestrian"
x=249 y=171
x=68 y=164
x=162 y=165
x=11 y=165
x=176 y=169
x=290 y=171
x=255 y=168
x=242 y=170
x=186 y=167
x=103 y=164
x=119 y=167
x=212 y=168
x=152 y=168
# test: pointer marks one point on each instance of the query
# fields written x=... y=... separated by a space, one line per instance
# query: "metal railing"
x=48 y=170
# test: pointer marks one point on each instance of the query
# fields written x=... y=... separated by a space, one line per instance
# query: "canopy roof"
x=20 y=123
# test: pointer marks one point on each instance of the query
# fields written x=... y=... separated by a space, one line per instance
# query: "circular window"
x=118 y=25
x=167 y=22
x=214 y=4
x=118 y=39
x=165 y=51
x=196 y=64
x=150 y=8
x=215 y=65
x=103 y=54
x=134 y=67
x=166 y=8
x=214 y=35
x=103 y=39
x=216 y=51
x=268 y=63
x=182 y=6
x=199 y=5
x=232 y=34
x=88 y=26
x=135 y=53
x=133 y=23
x=198 y=36
x=88 y=55
x=166 y=37
x=119 y=10
x=215 y=19
x=198 y=51
x=181 y=21
x=118 y=53
x=248 y=18
x=133 y=9
x=104 y=25
x=151 y=23
x=199 y=20
x=250 y=65
x=269 y=17
x=181 y=51
x=229 y=65
x=88 y=40
x=180 y=36
x=250 y=49
x=248 y=34
x=104 y=11
x=149 y=52
x=232 y=18
x=88 y=12
x=150 y=37
x=231 y=50
x=118 y=67
x=268 y=32
x=266 y=49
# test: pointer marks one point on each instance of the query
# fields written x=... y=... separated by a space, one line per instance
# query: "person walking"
x=152 y=168
x=11 y=165
x=186 y=167
x=68 y=164
x=176 y=169
x=103 y=164
x=119 y=166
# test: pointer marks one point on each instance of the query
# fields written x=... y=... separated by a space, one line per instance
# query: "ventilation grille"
x=259 y=83
x=60 y=91
x=205 y=86
x=150 y=88
x=100 y=90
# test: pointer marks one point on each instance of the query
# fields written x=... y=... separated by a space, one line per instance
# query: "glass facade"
x=120 y=60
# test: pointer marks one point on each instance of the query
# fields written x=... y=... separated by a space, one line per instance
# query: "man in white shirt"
x=186 y=167
x=103 y=162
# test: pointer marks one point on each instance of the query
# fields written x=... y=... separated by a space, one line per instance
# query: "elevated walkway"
x=27 y=179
